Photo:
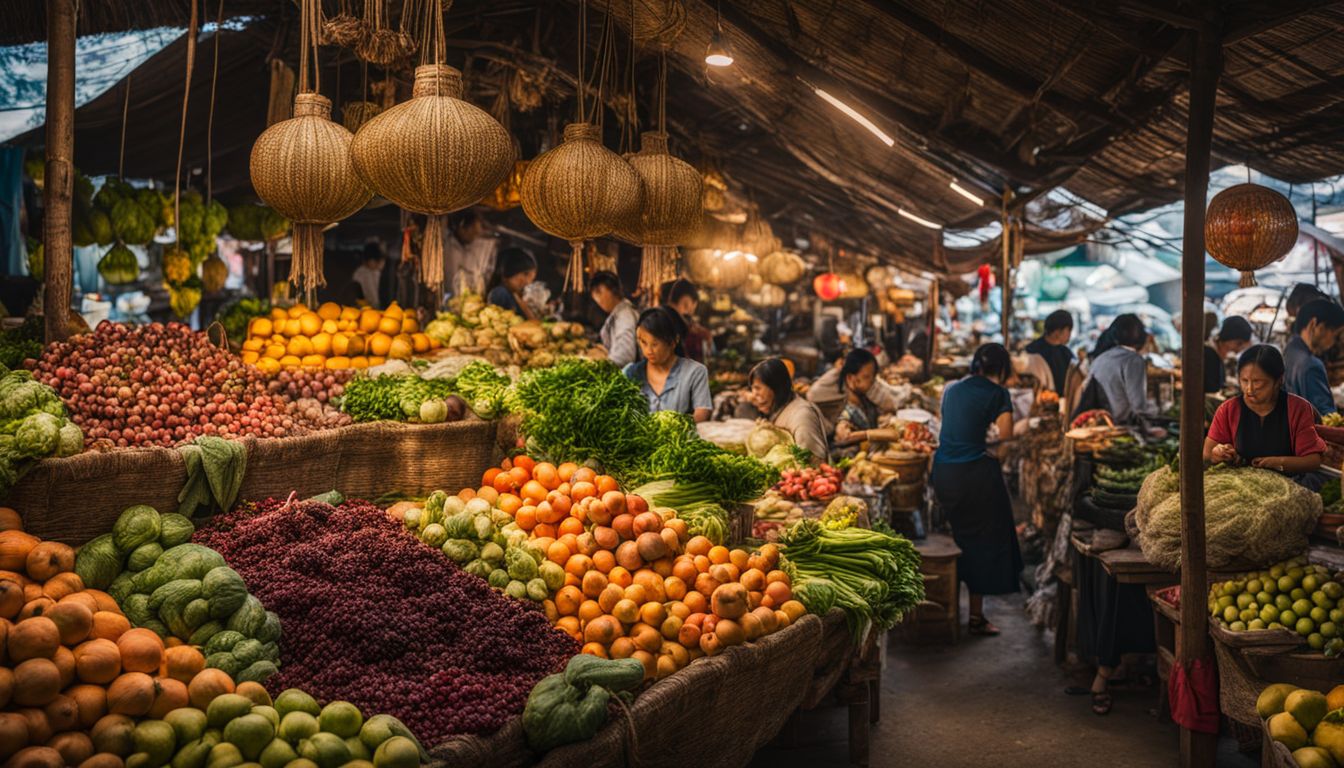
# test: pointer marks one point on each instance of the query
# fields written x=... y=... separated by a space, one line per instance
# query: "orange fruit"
x=626 y=611
x=718 y=554
x=260 y=327
x=568 y=600
x=490 y=474
x=546 y=474
x=594 y=584
x=369 y=320
x=489 y=494
x=509 y=503
x=380 y=344
x=526 y=518
x=739 y=558
x=589 y=610
x=321 y=344
x=570 y=525
x=420 y=341
x=620 y=576
x=298 y=309
x=388 y=325
x=558 y=553
x=401 y=349
x=250 y=357
x=329 y=310
x=582 y=490
x=570 y=626
x=533 y=491
x=338 y=362
x=566 y=471
x=595 y=649
x=524 y=461
x=698 y=545
x=310 y=323
x=579 y=565
x=606 y=484
x=521 y=476
x=409 y=324
x=544 y=531
x=604 y=560
x=583 y=475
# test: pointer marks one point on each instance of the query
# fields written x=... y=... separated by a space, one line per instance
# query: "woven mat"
x=77 y=498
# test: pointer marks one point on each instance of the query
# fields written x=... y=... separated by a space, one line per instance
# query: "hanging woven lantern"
x=715 y=234
x=757 y=235
x=767 y=296
x=434 y=154
x=671 y=209
x=301 y=168
x=782 y=268
x=354 y=114
x=828 y=286
x=719 y=270
x=579 y=190
x=853 y=286
x=1248 y=227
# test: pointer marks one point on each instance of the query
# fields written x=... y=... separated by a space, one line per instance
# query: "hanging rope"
x=125 y=111
x=210 y=121
x=583 y=54
x=193 y=27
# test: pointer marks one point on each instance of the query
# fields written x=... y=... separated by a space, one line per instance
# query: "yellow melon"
x=389 y=325
x=359 y=361
x=349 y=313
x=260 y=327
x=409 y=324
x=329 y=310
x=313 y=361
x=300 y=346
x=420 y=342
x=322 y=344
x=368 y=321
x=250 y=357
x=376 y=360
x=275 y=351
x=330 y=326
x=278 y=315
x=290 y=361
x=268 y=365
x=394 y=311
x=401 y=348
x=310 y=323
x=379 y=343
x=297 y=310
x=293 y=327
x=254 y=345
x=338 y=362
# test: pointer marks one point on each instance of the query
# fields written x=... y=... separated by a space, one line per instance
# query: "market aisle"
x=989 y=701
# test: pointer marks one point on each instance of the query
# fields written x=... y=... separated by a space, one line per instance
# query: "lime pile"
x=1309 y=724
x=1293 y=595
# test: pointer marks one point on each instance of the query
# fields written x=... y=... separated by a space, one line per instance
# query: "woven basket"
x=580 y=190
x=434 y=154
x=670 y=212
x=709 y=268
x=757 y=235
x=1247 y=227
x=301 y=167
x=714 y=234
x=782 y=268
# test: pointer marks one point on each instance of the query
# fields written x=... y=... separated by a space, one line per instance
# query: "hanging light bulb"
x=718 y=55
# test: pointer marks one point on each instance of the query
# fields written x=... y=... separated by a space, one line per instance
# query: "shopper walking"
x=772 y=394
x=969 y=485
x=618 y=332
x=669 y=381
x=1315 y=330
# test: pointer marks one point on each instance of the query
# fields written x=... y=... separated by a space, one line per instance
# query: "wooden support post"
x=1007 y=283
x=1197 y=749
x=58 y=186
x=931 y=349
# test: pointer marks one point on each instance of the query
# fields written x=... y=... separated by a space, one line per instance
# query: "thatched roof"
x=1022 y=94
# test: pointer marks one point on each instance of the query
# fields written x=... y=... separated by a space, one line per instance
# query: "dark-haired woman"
x=772 y=394
x=517 y=270
x=1265 y=426
x=969 y=482
x=681 y=296
x=670 y=382
x=858 y=374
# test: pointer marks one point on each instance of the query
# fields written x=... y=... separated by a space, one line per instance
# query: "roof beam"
x=1256 y=18
x=984 y=64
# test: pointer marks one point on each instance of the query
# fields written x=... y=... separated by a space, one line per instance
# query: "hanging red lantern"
x=986 y=275
x=828 y=286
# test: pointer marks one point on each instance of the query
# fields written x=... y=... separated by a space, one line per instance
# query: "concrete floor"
x=993 y=701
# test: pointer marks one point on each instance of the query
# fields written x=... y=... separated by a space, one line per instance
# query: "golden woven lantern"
x=301 y=167
x=782 y=268
x=671 y=209
x=714 y=234
x=757 y=235
x=354 y=114
x=657 y=22
x=717 y=269
x=579 y=190
x=434 y=154
x=853 y=285
x=1248 y=227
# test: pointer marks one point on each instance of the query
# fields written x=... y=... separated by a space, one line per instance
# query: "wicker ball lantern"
x=434 y=154
x=782 y=268
x=671 y=209
x=1247 y=227
x=714 y=234
x=757 y=235
x=657 y=22
x=580 y=190
x=828 y=286
x=767 y=296
x=301 y=167
x=853 y=286
x=716 y=269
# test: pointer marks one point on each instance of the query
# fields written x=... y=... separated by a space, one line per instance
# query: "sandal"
x=1101 y=703
x=979 y=625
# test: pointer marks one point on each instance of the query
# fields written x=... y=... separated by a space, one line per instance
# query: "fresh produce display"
x=680 y=454
x=121 y=213
x=1310 y=724
x=772 y=515
x=775 y=447
x=20 y=344
x=1251 y=516
x=483 y=388
x=1294 y=595
x=632 y=581
x=332 y=337
x=1118 y=489
x=374 y=617
x=915 y=437
x=694 y=503
x=33 y=425
x=1333 y=419
x=119 y=266
x=256 y=223
x=472 y=326
x=401 y=397
x=164 y=385
x=571 y=706
x=862 y=470
x=178 y=589
x=874 y=577
x=237 y=315
x=819 y=484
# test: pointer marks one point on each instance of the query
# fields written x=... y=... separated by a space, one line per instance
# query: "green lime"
x=1302 y=607
x=1275 y=625
x=1296 y=573
x=1264 y=598
x=1310 y=582
x=1328 y=629
x=1276 y=571
x=1333 y=590
x=1249 y=613
x=1269 y=613
x=1253 y=586
x=1255 y=624
x=1316 y=641
x=1288 y=618
x=1305 y=626
x=1298 y=593
x=1286 y=583
x=1320 y=615
x=1283 y=602
x=1337 y=615
x=1237 y=626
x=1244 y=600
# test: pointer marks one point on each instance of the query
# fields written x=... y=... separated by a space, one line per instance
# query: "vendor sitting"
x=669 y=381
x=857 y=376
x=1265 y=426
x=772 y=394
x=835 y=389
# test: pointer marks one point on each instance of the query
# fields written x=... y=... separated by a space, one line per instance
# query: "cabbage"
x=71 y=440
x=764 y=437
x=781 y=457
x=38 y=435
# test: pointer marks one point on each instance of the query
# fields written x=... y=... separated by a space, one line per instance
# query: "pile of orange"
x=333 y=337
x=637 y=584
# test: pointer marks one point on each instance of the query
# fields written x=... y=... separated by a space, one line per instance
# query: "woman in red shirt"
x=1265 y=426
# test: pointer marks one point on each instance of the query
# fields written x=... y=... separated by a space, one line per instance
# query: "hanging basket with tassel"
x=301 y=168
x=1248 y=227
x=672 y=188
x=434 y=154
x=579 y=190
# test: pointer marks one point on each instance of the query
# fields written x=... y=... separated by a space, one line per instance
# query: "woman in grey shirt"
x=669 y=381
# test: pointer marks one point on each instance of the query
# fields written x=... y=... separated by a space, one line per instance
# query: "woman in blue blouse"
x=969 y=482
x=669 y=381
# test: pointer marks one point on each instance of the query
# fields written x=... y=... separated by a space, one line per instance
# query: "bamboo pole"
x=1006 y=285
x=58 y=185
x=1197 y=749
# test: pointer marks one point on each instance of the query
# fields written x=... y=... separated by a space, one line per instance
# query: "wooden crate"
x=938 y=618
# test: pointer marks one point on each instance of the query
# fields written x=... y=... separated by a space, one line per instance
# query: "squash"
x=62 y=713
x=36 y=682
x=175 y=529
x=131 y=694
x=104 y=600
x=37 y=637
x=11 y=598
x=208 y=685
x=169 y=694
x=35 y=607
x=74 y=621
x=14 y=549
x=65 y=662
x=62 y=584
x=10 y=520
x=109 y=626
x=97 y=661
x=36 y=757
x=137 y=525
x=13 y=734
x=113 y=734
x=75 y=748
x=82 y=598
x=183 y=663
x=99 y=562
x=143 y=556
x=141 y=651
x=225 y=590
x=256 y=692
x=48 y=558
x=6 y=686
x=91 y=700
x=39 y=730
x=103 y=760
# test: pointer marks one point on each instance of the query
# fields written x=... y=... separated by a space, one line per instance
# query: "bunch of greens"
x=483 y=387
x=679 y=453
x=874 y=577
x=391 y=397
x=578 y=410
x=21 y=343
x=695 y=502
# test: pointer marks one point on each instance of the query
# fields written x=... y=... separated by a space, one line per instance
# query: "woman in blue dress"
x=669 y=380
x=968 y=482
